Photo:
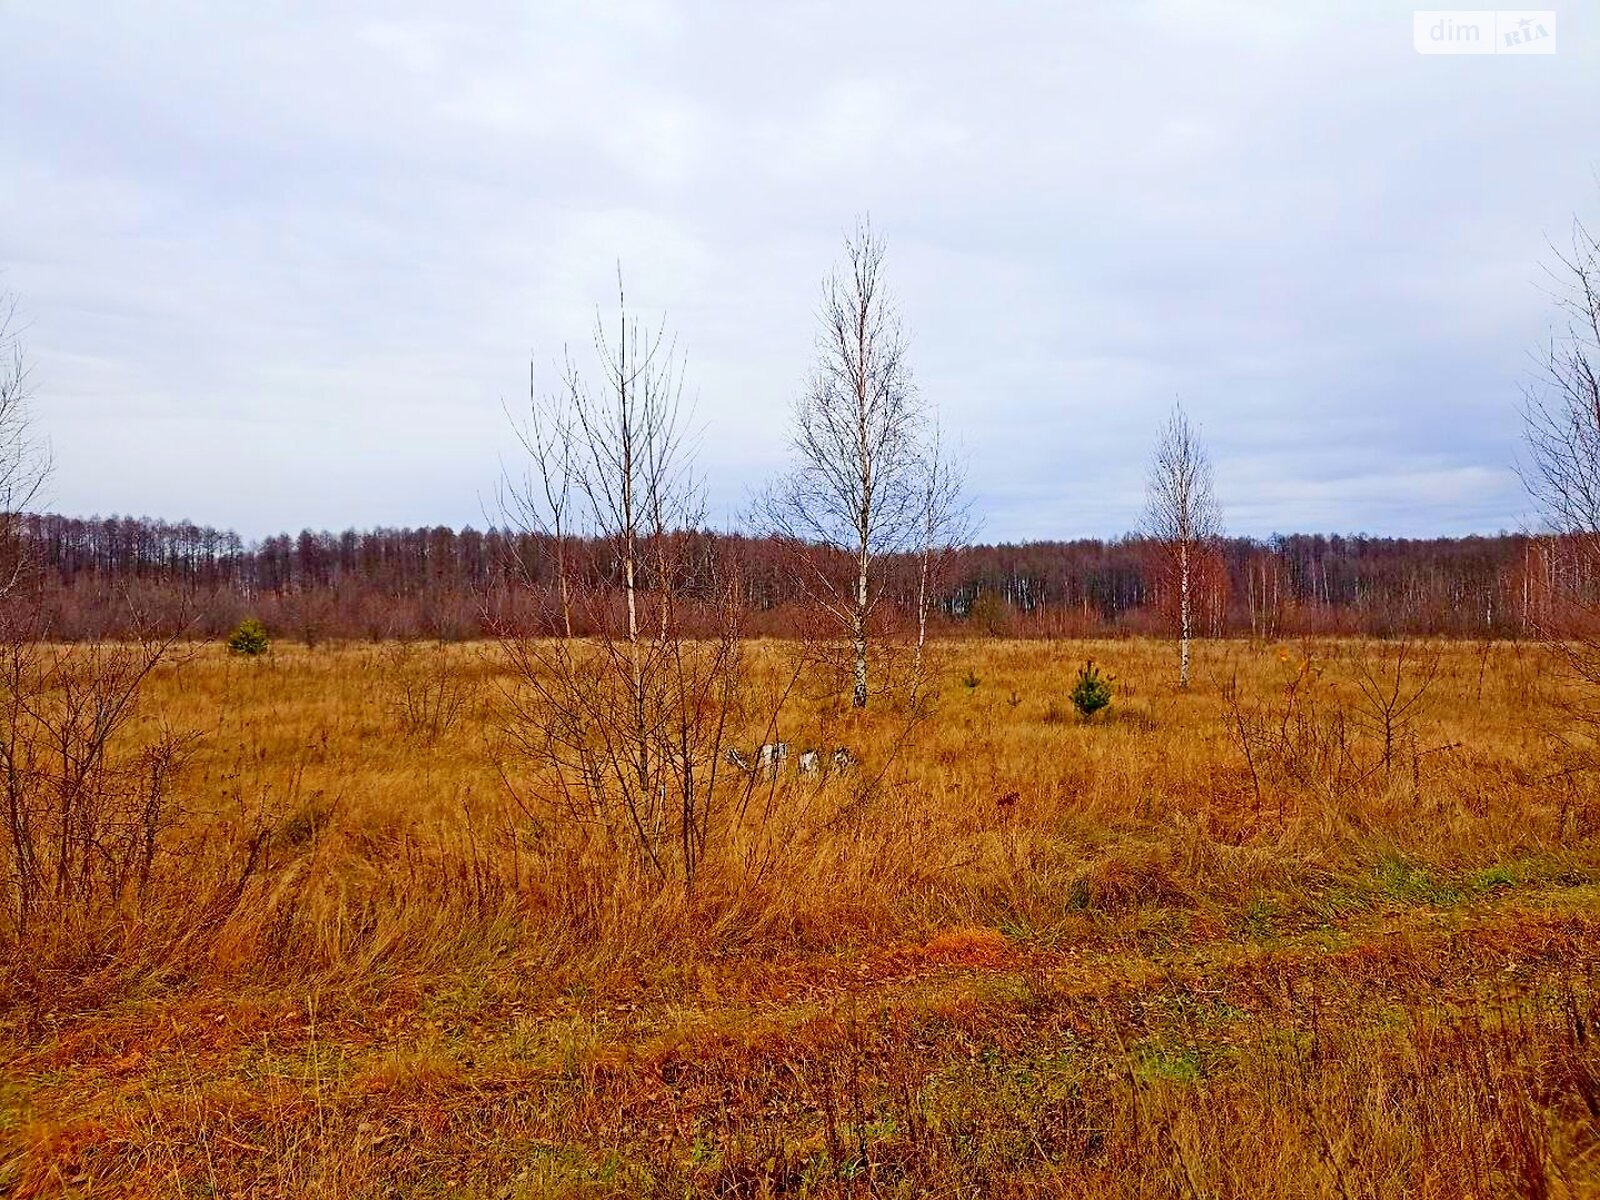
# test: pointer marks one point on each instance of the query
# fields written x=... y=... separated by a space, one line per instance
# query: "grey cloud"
x=283 y=263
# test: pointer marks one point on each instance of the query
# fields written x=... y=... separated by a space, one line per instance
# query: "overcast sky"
x=281 y=265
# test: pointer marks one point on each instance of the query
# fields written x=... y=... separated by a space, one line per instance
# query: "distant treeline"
x=106 y=576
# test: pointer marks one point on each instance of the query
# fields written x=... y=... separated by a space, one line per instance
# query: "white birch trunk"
x=858 y=636
x=1183 y=614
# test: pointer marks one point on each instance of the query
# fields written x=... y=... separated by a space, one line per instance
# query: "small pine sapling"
x=1092 y=692
x=249 y=639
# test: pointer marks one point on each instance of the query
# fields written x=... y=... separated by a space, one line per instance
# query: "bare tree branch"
x=24 y=461
x=1561 y=471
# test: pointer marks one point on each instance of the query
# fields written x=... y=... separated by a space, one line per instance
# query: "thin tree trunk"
x=922 y=617
x=561 y=581
x=627 y=465
x=858 y=635
x=1183 y=614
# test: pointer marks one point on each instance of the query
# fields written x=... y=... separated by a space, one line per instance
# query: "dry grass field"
x=1191 y=948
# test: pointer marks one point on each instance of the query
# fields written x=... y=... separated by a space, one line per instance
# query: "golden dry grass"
x=1040 y=957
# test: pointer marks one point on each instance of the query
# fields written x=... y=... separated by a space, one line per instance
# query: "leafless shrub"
x=87 y=808
x=90 y=818
x=1393 y=692
x=1309 y=735
x=430 y=690
x=624 y=735
x=1300 y=737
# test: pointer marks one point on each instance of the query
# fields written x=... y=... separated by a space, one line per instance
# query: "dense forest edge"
x=113 y=576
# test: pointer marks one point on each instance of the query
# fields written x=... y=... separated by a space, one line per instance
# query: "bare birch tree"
x=1181 y=517
x=1561 y=463
x=24 y=462
x=852 y=496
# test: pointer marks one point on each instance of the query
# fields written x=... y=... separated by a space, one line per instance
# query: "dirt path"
x=226 y=1087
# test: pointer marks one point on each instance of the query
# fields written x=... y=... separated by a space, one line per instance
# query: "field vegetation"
x=1323 y=924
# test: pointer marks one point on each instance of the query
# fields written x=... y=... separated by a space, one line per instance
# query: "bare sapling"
x=1561 y=471
x=1182 y=520
x=944 y=525
x=623 y=734
x=1394 y=691
x=431 y=692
